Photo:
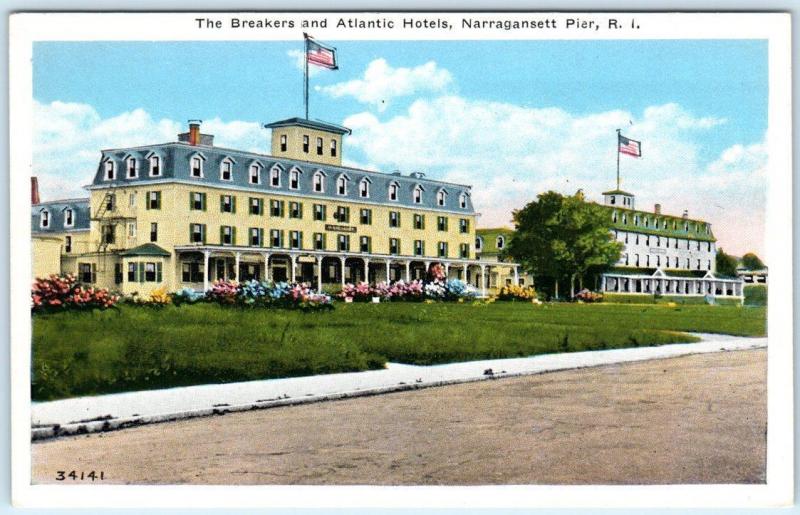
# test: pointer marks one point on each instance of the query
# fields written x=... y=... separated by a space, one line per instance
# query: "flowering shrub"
x=436 y=273
x=57 y=292
x=588 y=296
x=412 y=290
x=187 y=296
x=515 y=292
x=268 y=294
x=458 y=289
x=223 y=292
x=360 y=292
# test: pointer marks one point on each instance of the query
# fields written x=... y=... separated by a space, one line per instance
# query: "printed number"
x=63 y=475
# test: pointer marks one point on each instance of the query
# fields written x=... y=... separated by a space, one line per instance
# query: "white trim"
x=71 y=210
x=227 y=160
x=364 y=181
x=45 y=213
x=272 y=169
x=295 y=170
x=105 y=162
x=128 y=159
x=202 y=158
x=258 y=167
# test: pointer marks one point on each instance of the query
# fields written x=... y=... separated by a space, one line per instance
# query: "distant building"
x=490 y=246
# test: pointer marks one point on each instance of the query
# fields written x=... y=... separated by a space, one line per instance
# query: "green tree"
x=561 y=237
x=752 y=262
x=726 y=264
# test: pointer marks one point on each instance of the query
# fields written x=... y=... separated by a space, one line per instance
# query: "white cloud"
x=511 y=153
x=381 y=83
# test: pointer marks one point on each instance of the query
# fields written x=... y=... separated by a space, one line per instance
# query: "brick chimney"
x=194 y=132
x=658 y=209
x=35 y=191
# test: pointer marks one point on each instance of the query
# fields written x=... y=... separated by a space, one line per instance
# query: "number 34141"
x=74 y=475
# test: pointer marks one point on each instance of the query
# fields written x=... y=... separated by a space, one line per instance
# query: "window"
x=441 y=223
x=625 y=219
x=698 y=244
x=276 y=208
x=197 y=201
x=109 y=234
x=614 y=217
x=283 y=143
x=698 y=264
x=463 y=251
x=419 y=248
x=68 y=244
x=197 y=233
x=333 y=148
x=501 y=242
x=658 y=241
x=676 y=243
x=153 y=231
x=294 y=179
x=319 y=241
x=153 y=200
x=708 y=246
x=256 y=206
x=394 y=246
x=295 y=239
x=319 y=182
x=305 y=144
x=394 y=219
x=636 y=260
x=636 y=220
x=709 y=265
x=626 y=237
x=87 y=272
x=275 y=177
x=296 y=210
x=658 y=260
x=462 y=201
x=463 y=225
x=646 y=222
x=111 y=202
x=131 y=229
x=613 y=200
x=131 y=166
x=419 y=221
x=191 y=272
x=343 y=242
x=319 y=146
x=341 y=185
x=319 y=212
x=227 y=204
x=256 y=237
x=365 y=216
x=686 y=226
x=342 y=214
x=227 y=235
x=418 y=195
x=626 y=259
x=393 y=187
x=442 y=249
x=197 y=166
x=150 y=272
x=637 y=239
x=276 y=238
x=688 y=265
x=363 y=188
x=69 y=217
x=478 y=244
x=110 y=174
x=441 y=197
x=226 y=169
x=132 y=199
x=255 y=174
x=647 y=260
x=365 y=244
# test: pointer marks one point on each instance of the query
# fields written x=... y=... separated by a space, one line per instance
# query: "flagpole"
x=305 y=75
x=618 y=133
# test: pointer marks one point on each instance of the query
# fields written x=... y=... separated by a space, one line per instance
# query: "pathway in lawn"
x=90 y=414
x=692 y=419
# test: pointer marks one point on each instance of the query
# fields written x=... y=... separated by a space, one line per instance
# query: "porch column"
x=206 y=254
x=266 y=266
x=408 y=271
x=236 y=266
x=619 y=283
x=366 y=270
x=319 y=274
x=293 y=265
x=388 y=265
x=483 y=280
x=446 y=271
x=427 y=267
x=341 y=261
x=603 y=283
x=516 y=276
x=466 y=266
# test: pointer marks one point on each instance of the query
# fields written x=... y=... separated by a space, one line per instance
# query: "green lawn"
x=137 y=348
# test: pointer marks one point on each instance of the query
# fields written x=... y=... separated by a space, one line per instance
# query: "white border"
x=27 y=28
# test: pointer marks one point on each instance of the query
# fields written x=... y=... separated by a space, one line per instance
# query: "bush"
x=361 y=292
x=515 y=292
x=255 y=293
x=187 y=296
x=57 y=293
x=588 y=296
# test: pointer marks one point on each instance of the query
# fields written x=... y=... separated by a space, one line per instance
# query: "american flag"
x=629 y=146
x=320 y=55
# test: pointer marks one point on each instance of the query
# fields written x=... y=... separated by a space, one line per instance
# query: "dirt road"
x=695 y=419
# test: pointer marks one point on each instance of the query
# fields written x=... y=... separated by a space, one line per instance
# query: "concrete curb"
x=48 y=431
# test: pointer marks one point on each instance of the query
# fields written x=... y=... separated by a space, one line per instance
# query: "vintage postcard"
x=544 y=254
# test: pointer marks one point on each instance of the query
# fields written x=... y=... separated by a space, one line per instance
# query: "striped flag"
x=629 y=146
x=320 y=55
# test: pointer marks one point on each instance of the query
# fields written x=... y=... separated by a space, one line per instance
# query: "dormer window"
x=44 y=219
x=393 y=187
x=110 y=171
x=363 y=188
x=294 y=179
x=275 y=177
x=284 y=144
x=131 y=165
x=255 y=174
x=226 y=169
x=478 y=244
x=319 y=182
x=69 y=217
x=441 y=197
x=462 y=200
x=333 y=148
x=418 y=195
x=341 y=185
x=197 y=166
x=155 y=166
x=501 y=242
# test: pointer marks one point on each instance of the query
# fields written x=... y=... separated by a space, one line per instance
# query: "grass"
x=137 y=348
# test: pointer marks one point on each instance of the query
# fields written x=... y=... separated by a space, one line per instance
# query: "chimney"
x=685 y=214
x=194 y=131
x=658 y=209
x=35 y=191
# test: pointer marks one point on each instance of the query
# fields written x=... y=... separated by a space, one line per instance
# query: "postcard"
x=401 y=259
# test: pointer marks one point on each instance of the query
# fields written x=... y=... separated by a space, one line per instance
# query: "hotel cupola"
x=619 y=198
x=307 y=140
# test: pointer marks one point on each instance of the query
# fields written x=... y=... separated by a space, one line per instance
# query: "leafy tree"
x=726 y=264
x=751 y=262
x=561 y=237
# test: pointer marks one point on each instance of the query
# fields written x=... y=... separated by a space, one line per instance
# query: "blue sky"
x=698 y=106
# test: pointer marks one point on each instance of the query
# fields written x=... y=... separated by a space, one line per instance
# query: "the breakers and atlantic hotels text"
x=474 y=23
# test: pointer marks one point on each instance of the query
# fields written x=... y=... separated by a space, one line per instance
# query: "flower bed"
x=57 y=293
x=255 y=293
x=517 y=293
x=414 y=291
x=588 y=296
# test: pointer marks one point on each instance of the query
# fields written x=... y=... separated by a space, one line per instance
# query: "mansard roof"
x=57 y=210
x=675 y=224
x=176 y=167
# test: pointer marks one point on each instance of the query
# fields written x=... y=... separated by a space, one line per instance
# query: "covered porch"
x=660 y=283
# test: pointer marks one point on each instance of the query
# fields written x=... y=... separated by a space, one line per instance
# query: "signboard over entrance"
x=339 y=228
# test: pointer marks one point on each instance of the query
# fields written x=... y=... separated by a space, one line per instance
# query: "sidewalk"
x=118 y=411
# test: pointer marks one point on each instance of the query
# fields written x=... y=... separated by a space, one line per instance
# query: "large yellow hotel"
x=187 y=213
